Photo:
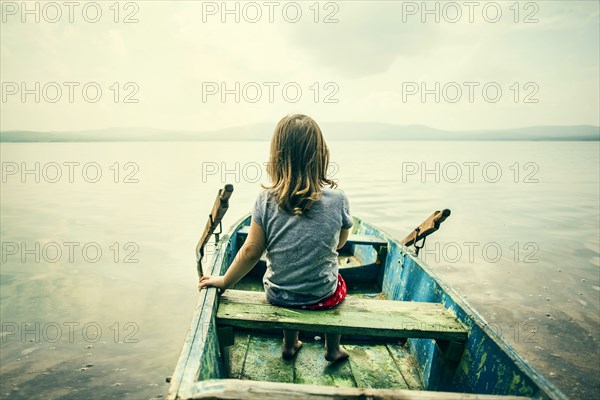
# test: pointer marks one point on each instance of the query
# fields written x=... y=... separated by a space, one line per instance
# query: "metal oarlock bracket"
x=212 y=223
x=417 y=247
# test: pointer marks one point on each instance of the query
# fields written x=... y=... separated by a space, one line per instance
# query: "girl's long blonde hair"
x=298 y=163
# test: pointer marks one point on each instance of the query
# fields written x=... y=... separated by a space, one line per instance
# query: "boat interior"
x=403 y=327
x=374 y=362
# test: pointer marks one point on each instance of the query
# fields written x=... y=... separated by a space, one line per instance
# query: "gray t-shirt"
x=302 y=266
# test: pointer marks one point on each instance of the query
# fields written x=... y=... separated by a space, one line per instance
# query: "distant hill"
x=332 y=131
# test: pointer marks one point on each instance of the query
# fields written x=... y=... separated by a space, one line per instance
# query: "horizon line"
x=198 y=130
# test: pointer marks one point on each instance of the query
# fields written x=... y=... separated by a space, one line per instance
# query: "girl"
x=301 y=221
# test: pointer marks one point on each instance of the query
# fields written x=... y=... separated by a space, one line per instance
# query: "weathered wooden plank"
x=264 y=361
x=194 y=354
x=366 y=240
x=234 y=356
x=199 y=355
x=180 y=369
x=352 y=239
x=405 y=364
x=312 y=368
x=210 y=361
x=236 y=389
x=354 y=316
x=373 y=367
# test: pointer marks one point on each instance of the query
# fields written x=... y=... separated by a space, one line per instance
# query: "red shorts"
x=333 y=300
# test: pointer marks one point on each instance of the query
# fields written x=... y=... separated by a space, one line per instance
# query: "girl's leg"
x=333 y=351
x=291 y=344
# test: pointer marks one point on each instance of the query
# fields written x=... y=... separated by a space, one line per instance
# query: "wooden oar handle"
x=226 y=192
x=445 y=213
x=426 y=228
x=214 y=219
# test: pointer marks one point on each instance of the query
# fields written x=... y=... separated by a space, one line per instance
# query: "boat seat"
x=352 y=239
x=358 y=316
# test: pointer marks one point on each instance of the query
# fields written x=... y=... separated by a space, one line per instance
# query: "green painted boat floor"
x=257 y=356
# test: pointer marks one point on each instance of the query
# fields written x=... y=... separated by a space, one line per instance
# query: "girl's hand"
x=212 y=281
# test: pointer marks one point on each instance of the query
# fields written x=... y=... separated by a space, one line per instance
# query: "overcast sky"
x=370 y=62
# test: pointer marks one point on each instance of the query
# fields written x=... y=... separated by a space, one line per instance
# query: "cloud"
x=366 y=40
x=367 y=54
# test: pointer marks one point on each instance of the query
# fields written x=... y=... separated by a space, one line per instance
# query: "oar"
x=214 y=220
x=426 y=228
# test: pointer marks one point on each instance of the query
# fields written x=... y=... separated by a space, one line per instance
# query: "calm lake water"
x=104 y=309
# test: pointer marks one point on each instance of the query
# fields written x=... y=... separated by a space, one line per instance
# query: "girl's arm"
x=245 y=260
x=343 y=237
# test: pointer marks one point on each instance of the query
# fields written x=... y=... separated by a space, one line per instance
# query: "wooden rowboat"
x=408 y=334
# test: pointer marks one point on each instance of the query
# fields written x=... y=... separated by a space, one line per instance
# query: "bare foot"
x=289 y=353
x=340 y=354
